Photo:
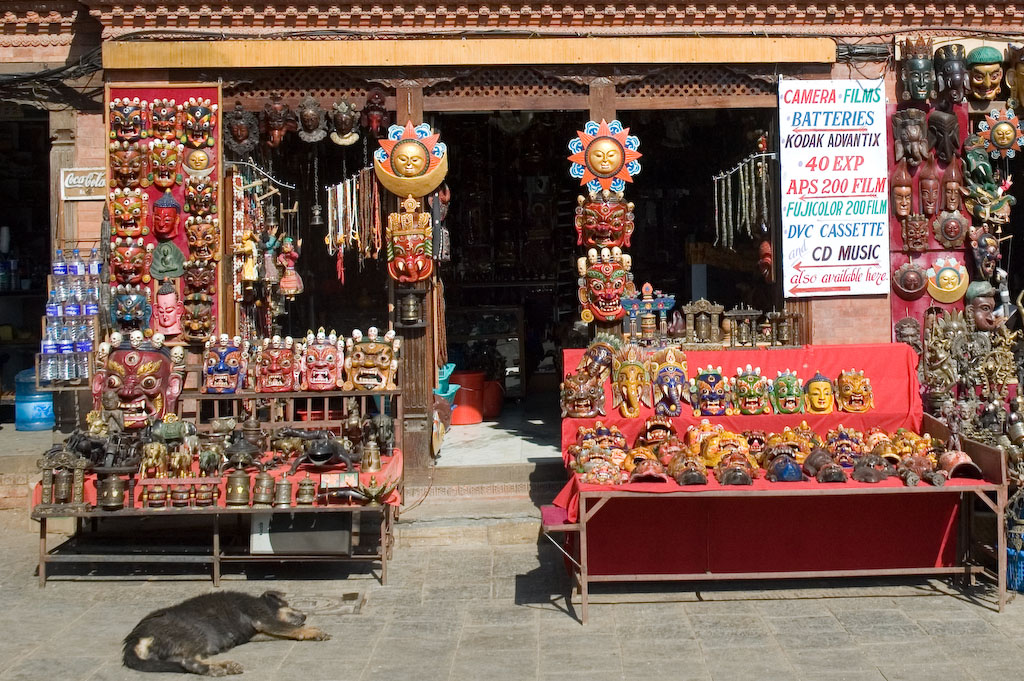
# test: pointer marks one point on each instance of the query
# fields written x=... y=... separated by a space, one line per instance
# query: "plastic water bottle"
x=60 y=265
x=73 y=305
x=54 y=306
x=62 y=289
x=66 y=368
x=95 y=264
x=82 y=364
x=91 y=302
x=48 y=348
x=76 y=266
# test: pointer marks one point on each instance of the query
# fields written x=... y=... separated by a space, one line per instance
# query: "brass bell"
x=411 y=309
x=283 y=492
x=317 y=217
x=270 y=215
x=110 y=493
x=370 y=462
x=306 y=494
x=263 y=489
x=238 y=488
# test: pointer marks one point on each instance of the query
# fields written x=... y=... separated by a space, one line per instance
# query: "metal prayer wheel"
x=263 y=489
x=370 y=462
x=205 y=495
x=238 y=489
x=180 y=495
x=156 y=496
x=283 y=493
x=306 y=494
x=648 y=327
x=62 y=483
x=110 y=493
x=410 y=309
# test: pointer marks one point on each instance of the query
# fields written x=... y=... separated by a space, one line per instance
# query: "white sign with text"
x=835 y=188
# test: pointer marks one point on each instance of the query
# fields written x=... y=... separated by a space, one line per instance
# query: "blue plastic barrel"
x=33 y=410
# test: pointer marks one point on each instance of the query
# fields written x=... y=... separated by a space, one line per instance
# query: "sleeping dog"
x=181 y=637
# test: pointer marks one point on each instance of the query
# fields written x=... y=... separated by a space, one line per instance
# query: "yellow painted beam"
x=181 y=54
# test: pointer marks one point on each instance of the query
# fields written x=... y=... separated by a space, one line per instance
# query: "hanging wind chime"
x=743 y=199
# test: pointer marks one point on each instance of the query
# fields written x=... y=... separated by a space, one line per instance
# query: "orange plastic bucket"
x=469 y=399
x=494 y=399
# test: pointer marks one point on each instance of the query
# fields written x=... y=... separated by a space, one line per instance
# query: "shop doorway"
x=511 y=286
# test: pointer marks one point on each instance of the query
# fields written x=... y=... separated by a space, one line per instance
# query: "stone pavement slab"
x=501 y=613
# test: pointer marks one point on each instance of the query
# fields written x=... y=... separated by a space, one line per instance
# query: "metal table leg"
x=216 y=550
x=42 y=552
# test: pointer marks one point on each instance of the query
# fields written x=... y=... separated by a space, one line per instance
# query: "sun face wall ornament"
x=604 y=156
x=1001 y=133
x=411 y=161
x=909 y=281
x=947 y=280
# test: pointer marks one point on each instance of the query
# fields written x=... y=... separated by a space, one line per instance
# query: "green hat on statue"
x=979 y=289
x=984 y=55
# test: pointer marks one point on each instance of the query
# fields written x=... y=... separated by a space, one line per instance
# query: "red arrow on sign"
x=817 y=289
x=799 y=266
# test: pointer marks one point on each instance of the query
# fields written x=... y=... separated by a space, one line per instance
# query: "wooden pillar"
x=418 y=363
x=62 y=155
x=602 y=99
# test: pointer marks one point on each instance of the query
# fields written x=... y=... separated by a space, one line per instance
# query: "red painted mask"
x=165 y=116
x=605 y=279
x=129 y=119
x=409 y=238
x=322 y=364
x=165 y=163
x=278 y=368
x=199 y=118
x=128 y=212
x=127 y=165
x=166 y=216
x=276 y=121
x=146 y=381
x=604 y=223
x=129 y=261
x=203 y=238
x=200 y=196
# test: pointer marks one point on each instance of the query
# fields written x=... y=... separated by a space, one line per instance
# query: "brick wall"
x=90 y=152
x=14 y=489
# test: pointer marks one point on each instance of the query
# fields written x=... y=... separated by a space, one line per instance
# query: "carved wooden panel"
x=324 y=85
x=510 y=82
x=696 y=81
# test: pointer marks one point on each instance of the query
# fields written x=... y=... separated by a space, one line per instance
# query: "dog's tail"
x=146 y=664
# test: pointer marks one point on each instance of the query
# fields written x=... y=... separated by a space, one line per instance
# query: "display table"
x=81 y=547
x=666 y=532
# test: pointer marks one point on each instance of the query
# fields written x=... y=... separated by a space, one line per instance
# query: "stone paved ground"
x=498 y=613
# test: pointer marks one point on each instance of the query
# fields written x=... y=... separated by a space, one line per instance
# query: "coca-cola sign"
x=83 y=184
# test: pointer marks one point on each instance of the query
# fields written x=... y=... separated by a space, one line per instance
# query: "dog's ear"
x=275 y=597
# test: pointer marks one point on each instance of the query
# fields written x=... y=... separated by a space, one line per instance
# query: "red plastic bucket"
x=494 y=399
x=469 y=399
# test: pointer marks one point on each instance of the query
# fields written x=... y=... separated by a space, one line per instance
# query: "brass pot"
x=263 y=489
x=238 y=489
x=283 y=493
x=370 y=462
x=110 y=493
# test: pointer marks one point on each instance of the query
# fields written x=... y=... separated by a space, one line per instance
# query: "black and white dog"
x=181 y=637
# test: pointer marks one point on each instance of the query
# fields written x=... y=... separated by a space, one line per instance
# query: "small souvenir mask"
x=631 y=381
x=985 y=65
x=129 y=261
x=604 y=156
x=1001 y=133
x=374 y=117
x=950 y=229
x=952 y=182
x=596 y=362
x=710 y=394
x=198 y=163
x=199 y=118
x=751 y=391
x=168 y=261
x=411 y=161
x=909 y=281
x=928 y=188
x=164 y=164
x=165 y=118
x=130 y=307
x=853 y=392
x=604 y=281
x=243 y=131
x=980 y=306
x=917 y=70
x=128 y=211
x=667 y=368
x=345 y=120
x=225 y=365
x=915 y=233
x=910 y=136
x=322 y=363
x=147 y=382
x=200 y=196
x=944 y=135
x=786 y=394
x=129 y=119
x=947 y=280
x=581 y=399
x=166 y=216
x=953 y=79
x=197 y=322
x=819 y=395
x=902 y=191
x=127 y=165
x=604 y=221
x=169 y=309
x=276 y=121
x=409 y=239
x=200 y=276
x=203 y=238
x=371 y=361
x=986 y=254
x=908 y=330
x=312 y=121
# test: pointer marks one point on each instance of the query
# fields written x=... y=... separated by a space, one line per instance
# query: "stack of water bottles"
x=69 y=331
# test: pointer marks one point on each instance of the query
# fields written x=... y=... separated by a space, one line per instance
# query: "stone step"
x=468 y=521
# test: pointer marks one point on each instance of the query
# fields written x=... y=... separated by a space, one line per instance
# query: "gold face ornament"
x=411 y=161
x=947 y=280
x=819 y=396
x=1001 y=134
x=605 y=156
x=409 y=158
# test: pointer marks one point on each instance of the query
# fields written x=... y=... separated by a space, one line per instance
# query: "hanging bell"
x=411 y=309
x=317 y=217
x=270 y=215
